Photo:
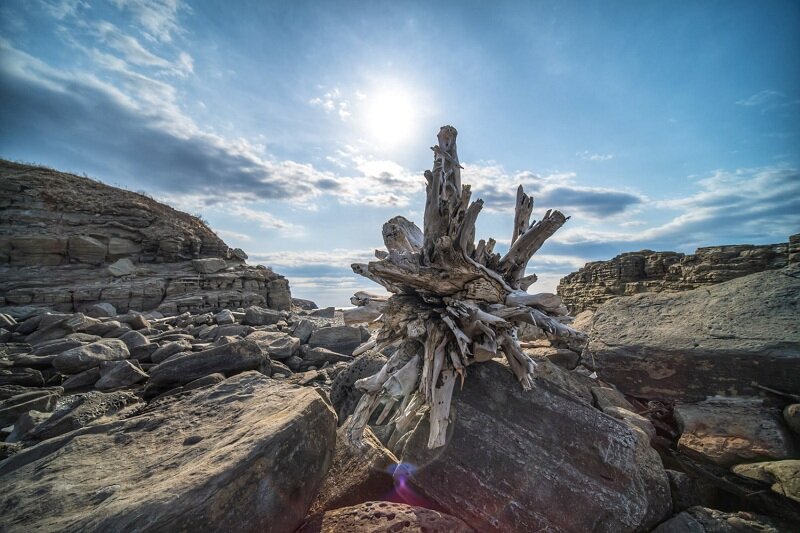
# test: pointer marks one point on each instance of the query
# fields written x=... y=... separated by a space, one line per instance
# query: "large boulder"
x=714 y=340
x=115 y=374
x=341 y=339
x=727 y=431
x=783 y=476
x=82 y=358
x=228 y=359
x=539 y=460
x=278 y=345
x=245 y=455
x=260 y=316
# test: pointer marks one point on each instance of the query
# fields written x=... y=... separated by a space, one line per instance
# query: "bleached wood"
x=440 y=409
x=543 y=300
x=522 y=214
x=453 y=303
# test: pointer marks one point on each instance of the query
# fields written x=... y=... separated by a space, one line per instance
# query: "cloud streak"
x=754 y=204
x=499 y=188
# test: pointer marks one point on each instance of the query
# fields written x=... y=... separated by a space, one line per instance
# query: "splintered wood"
x=453 y=303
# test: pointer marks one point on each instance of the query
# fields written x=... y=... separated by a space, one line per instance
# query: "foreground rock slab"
x=245 y=455
x=783 y=476
x=539 y=460
x=375 y=517
x=690 y=345
x=727 y=431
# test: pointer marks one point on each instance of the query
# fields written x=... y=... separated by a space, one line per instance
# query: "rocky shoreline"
x=222 y=407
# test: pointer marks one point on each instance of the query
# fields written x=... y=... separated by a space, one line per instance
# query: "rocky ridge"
x=68 y=242
x=648 y=271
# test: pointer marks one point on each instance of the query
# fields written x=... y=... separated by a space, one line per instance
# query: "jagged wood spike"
x=522 y=214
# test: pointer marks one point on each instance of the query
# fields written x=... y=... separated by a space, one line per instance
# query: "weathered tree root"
x=453 y=303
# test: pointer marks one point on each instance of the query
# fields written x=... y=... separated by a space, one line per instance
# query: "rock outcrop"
x=648 y=271
x=68 y=242
x=538 y=460
x=245 y=455
x=721 y=339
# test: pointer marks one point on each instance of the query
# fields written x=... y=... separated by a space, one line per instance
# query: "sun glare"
x=390 y=116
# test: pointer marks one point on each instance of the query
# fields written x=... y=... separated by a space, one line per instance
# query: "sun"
x=390 y=116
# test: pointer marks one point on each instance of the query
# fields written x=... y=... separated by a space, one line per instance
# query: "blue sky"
x=298 y=128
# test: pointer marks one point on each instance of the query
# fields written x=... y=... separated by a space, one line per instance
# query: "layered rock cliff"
x=68 y=242
x=648 y=271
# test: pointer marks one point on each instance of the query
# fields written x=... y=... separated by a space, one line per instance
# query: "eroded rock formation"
x=720 y=340
x=68 y=242
x=648 y=271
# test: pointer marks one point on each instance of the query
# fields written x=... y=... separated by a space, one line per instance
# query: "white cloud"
x=337 y=257
x=227 y=234
x=768 y=100
x=333 y=100
x=588 y=156
x=760 y=98
x=747 y=204
x=265 y=220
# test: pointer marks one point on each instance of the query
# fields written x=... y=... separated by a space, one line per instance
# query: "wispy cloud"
x=158 y=18
x=760 y=98
x=135 y=53
x=768 y=100
x=756 y=204
x=586 y=155
x=60 y=9
x=333 y=101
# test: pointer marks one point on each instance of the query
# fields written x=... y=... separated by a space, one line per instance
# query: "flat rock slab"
x=783 y=476
x=228 y=359
x=712 y=520
x=115 y=374
x=82 y=358
x=710 y=341
x=535 y=461
x=385 y=517
x=727 y=431
x=245 y=455
x=260 y=316
x=340 y=339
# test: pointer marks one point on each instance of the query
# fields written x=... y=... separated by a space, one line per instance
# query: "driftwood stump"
x=453 y=303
